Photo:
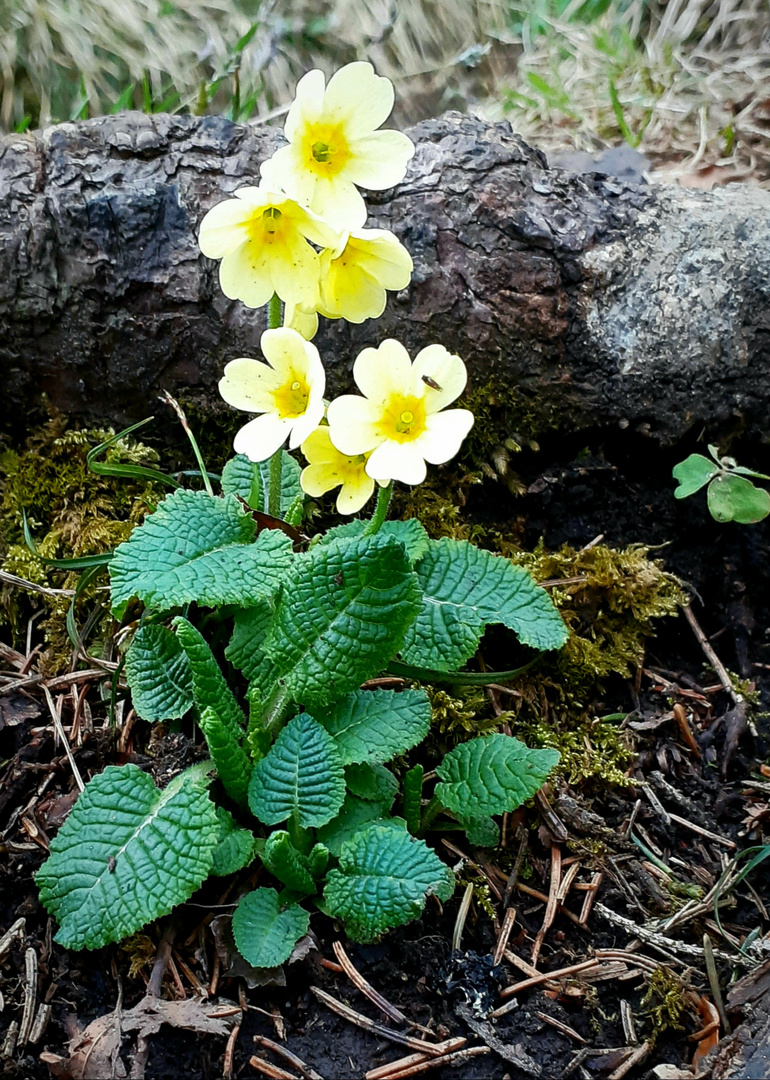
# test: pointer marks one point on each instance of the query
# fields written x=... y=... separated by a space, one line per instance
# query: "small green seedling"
x=731 y=495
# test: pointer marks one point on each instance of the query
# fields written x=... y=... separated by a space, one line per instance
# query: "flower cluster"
x=299 y=236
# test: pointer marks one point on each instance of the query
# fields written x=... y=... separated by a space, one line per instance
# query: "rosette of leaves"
x=300 y=749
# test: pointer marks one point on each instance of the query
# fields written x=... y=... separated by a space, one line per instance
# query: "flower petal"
x=383 y=256
x=246 y=275
x=348 y=292
x=337 y=200
x=260 y=438
x=444 y=369
x=284 y=172
x=288 y=354
x=249 y=384
x=294 y=270
x=316 y=480
x=397 y=461
x=379 y=160
x=358 y=98
x=319 y=449
x=307 y=104
x=354 y=494
x=304 y=322
x=307 y=423
x=383 y=371
x=353 y=424
x=224 y=228
x=443 y=435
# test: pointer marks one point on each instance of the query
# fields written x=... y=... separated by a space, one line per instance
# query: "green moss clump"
x=71 y=512
x=591 y=750
x=665 y=1002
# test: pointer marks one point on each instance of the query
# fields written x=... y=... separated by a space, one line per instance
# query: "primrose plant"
x=274 y=641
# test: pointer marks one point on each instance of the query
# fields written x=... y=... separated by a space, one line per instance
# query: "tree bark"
x=577 y=301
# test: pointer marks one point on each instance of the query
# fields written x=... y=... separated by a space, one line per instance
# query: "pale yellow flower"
x=328 y=469
x=288 y=390
x=303 y=321
x=262 y=239
x=334 y=144
x=400 y=419
x=354 y=279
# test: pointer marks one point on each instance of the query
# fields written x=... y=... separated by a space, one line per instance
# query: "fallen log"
x=576 y=300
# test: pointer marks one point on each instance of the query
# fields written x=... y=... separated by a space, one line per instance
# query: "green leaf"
x=465 y=588
x=251 y=481
x=411 y=797
x=301 y=777
x=342 y=616
x=354 y=816
x=235 y=847
x=264 y=932
x=491 y=774
x=127 y=854
x=383 y=878
x=220 y=718
x=287 y=864
x=374 y=783
x=158 y=672
x=693 y=473
x=197 y=548
x=481 y=831
x=375 y=725
x=409 y=533
x=245 y=650
x=733 y=498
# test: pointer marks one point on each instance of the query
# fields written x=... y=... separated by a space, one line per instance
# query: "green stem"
x=274 y=320
x=456 y=678
x=432 y=811
x=380 y=510
x=274 y=496
x=412 y=796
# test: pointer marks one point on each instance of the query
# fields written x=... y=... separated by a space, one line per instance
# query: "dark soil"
x=621 y=489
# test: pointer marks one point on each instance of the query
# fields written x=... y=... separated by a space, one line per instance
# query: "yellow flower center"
x=403 y=419
x=269 y=226
x=291 y=399
x=325 y=149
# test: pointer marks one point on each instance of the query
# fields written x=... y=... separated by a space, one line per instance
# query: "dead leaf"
x=94 y=1054
x=708 y=1037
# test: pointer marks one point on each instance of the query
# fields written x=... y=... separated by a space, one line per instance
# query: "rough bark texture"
x=581 y=301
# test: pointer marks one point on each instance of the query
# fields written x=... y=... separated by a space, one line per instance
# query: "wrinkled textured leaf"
x=127 y=854
x=693 y=473
x=158 y=672
x=375 y=725
x=383 y=878
x=197 y=548
x=354 y=816
x=301 y=776
x=342 y=616
x=265 y=934
x=287 y=864
x=464 y=588
x=482 y=831
x=238 y=478
x=733 y=498
x=220 y=718
x=235 y=847
x=372 y=782
x=410 y=533
x=245 y=650
x=491 y=774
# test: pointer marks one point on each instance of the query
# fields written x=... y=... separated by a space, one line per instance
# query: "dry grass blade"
x=366 y=988
x=537 y=980
x=565 y=1029
x=462 y=915
x=305 y=1070
x=451 y=1060
x=372 y=1026
x=268 y=1069
x=631 y=1062
x=383 y=1072
x=551 y=905
x=62 y=736
x=505 y=933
